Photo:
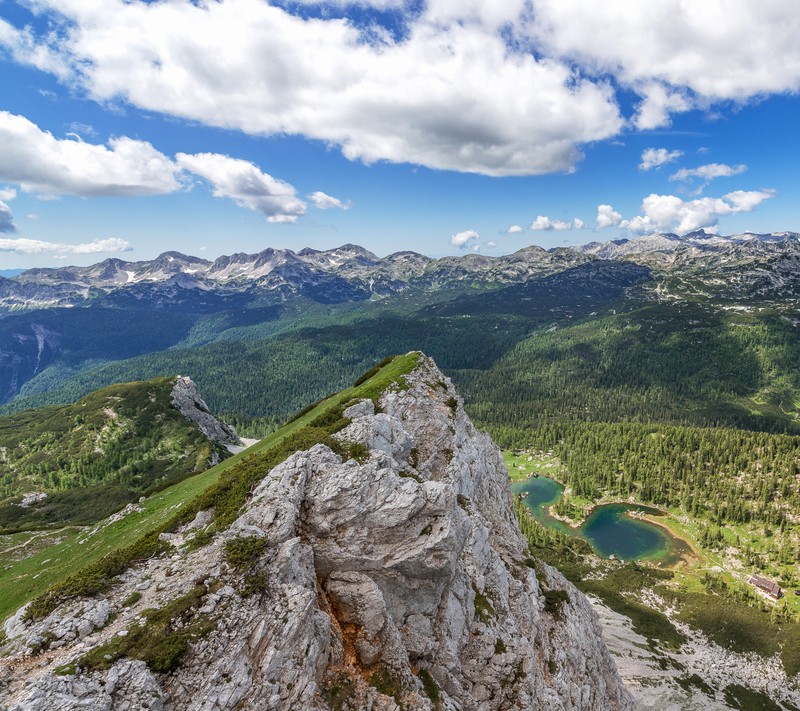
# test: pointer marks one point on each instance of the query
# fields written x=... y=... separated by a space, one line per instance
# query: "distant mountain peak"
x=173 y=256
x=698 y=234
x=332 y=258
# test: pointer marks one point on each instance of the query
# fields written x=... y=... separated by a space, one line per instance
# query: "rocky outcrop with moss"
x=388 y=572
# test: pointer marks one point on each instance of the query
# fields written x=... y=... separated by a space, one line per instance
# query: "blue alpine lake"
x=609 y=528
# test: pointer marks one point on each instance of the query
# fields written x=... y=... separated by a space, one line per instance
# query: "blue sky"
x=131 y=128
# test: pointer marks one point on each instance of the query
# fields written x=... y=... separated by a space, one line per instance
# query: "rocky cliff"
x=186 y=397
x=396 y=578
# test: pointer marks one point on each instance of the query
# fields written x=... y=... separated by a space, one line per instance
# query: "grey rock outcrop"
x=399 y=580
x=186 y=397
x=32 y=497
x=128 y=685
x=70 y=622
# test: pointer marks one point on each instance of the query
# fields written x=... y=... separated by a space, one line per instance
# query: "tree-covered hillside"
x=96 y=455
x=669 y=362
x=611 y=361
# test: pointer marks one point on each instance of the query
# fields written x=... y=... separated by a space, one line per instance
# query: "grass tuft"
x=484 y=610
x=161 y=642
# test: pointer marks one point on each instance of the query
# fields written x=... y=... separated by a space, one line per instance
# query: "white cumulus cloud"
x=23 y=245
x=499 y=88
x=545 y=224
x=656 y=157
x=669 y=213
x=245 y=184
x=607 y=216
x=452 y=93
x=678 y=54
x=49 y=166
x=515 y=230
x=25 y=47
x=40 y=162
x=708 y=172
x=658 y=104
x=323 y=201
x=463 y=239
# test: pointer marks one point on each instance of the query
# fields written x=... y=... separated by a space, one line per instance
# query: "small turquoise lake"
x=609 y=528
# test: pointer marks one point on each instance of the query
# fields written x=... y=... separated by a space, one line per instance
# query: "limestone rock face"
x=397 y=581
x=186 y=397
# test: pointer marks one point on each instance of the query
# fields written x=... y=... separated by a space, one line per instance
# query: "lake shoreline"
x=676 y=550
x=649 y=518
x=565 y=519
x=576 y=524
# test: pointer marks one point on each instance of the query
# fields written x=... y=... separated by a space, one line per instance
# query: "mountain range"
x=352 y=273
x=62 y=330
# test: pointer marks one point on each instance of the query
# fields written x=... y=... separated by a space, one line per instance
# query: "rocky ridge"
x=394 y=579
x=699 y=240
x=346 y=273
